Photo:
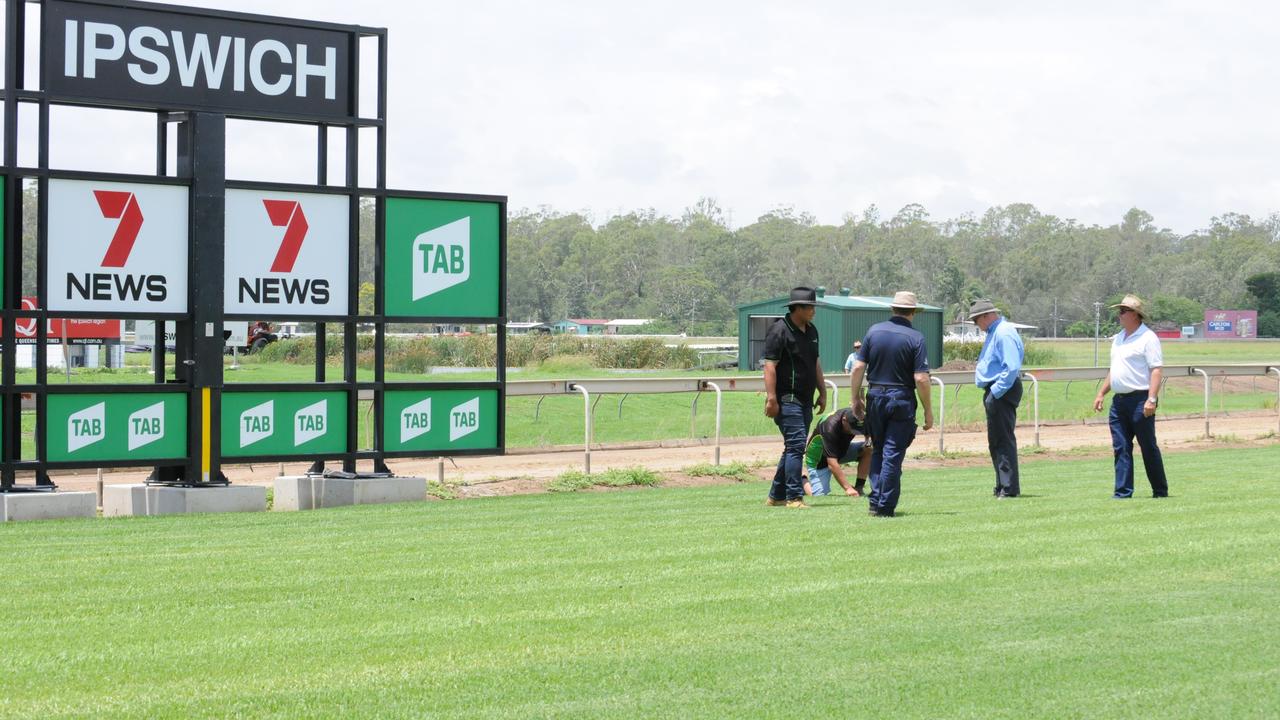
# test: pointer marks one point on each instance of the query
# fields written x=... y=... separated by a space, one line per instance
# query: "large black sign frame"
x=201 y=131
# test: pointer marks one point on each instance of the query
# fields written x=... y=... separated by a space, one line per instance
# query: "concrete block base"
x=304 y=492
x=47 y=505
x=142 y=499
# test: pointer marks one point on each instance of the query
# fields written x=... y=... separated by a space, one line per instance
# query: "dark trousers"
x=793 y=421
x=1128 y=422
x=891 y=422
x=1002 y=415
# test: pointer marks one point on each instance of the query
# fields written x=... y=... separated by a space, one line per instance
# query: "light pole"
x=1097 y=330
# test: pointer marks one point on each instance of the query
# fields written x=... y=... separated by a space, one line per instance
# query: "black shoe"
x=1002 y=495
x=879 y=513
x=1160 y=495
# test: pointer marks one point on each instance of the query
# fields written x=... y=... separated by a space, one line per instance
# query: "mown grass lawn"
x=670 y=603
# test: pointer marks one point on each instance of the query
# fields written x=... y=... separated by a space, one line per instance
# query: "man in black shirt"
x=792 y=372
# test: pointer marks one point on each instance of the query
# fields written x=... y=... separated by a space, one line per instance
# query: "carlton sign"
x=180 y=59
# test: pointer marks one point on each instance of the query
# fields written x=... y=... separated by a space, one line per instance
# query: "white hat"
x=904 y=299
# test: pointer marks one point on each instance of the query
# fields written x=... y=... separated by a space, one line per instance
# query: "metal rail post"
x=586 y=414
x=716 y=387
x=835 y=394
x=1035 y=403
x=1277 y=372
x=1207 y=383
x=942 y=414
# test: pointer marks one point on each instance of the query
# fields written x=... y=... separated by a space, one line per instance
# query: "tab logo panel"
x=117 y=247
x=444 y=258
x=117 y=426
x=471 y=421
x=289 y=423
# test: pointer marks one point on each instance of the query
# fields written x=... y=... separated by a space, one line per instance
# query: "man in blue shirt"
x=894 y=360
x=999 y=375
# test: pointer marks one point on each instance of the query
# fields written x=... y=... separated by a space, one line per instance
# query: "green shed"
x=840 y=320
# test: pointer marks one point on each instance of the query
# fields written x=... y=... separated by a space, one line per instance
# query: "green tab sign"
x=133 y=426
x=440 y=420
x=442 y=258
x=283 y=423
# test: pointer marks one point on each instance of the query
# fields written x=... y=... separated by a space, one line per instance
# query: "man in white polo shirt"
x=1136 y=361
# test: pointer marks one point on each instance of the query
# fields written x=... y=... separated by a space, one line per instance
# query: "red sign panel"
x=77 y=331
x=1231 y=324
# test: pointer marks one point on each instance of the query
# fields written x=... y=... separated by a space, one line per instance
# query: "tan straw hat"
x=904 y=299
x=1134 y=303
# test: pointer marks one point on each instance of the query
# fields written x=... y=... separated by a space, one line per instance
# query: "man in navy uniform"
x=896 y=365
x=999 y=375
x=792 y=372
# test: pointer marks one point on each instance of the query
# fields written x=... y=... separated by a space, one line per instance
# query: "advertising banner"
x=78 y=331
x=283 y=423
x=1231 y=324
x=144 y=332
x=117 y=426
x=440 y=420
x=117 y=247
x=442 y=258
x=286 y=253
x=169 y=59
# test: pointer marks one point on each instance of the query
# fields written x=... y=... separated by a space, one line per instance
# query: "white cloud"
x=1084 y=109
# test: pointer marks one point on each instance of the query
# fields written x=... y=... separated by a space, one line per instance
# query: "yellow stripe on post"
x=206 y=434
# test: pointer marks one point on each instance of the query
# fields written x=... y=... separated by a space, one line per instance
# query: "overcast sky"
x=1084 y=109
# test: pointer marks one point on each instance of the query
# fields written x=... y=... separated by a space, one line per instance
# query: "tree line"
x=690 y=272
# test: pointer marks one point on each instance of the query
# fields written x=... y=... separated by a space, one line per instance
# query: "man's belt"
x=789 y=397
x=885 y=387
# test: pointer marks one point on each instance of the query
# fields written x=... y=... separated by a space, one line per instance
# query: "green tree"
x=1265 y=289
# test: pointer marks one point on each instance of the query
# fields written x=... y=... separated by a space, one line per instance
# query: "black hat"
x=803 y=296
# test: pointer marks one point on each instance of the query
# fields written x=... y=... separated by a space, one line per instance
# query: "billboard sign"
x=286 y=253
x=77 y=331
x=283 y=423
x=440 y=420
x=442 y=258
x=144 y=332
x=117 y=247
x=117 y=426
x=1231 y=324
x=172 y=59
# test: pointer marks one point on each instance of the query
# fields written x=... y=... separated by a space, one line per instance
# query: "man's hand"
x=928 y=419
x=771 y=406
x=1097 y=403
x=1148 y=408
x=851 y=492
x=821 y=404
x=859 y=408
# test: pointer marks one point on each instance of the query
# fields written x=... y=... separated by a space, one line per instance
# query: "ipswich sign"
x=175 y=60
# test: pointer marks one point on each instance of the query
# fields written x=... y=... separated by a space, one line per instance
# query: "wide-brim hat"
x=981 y=307
x=803 y=296
x=1134 y=303
x=904 y=299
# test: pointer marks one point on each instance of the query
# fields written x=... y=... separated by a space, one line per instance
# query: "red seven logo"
x=117 y=204
x=287 y=214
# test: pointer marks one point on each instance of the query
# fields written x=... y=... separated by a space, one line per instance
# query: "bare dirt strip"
x=529 y=470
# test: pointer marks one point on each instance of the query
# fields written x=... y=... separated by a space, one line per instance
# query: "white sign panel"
x=117 y=247
x=441 y=258
x=286 y=253
x=144 y=332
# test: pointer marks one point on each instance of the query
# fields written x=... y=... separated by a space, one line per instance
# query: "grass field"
x=670 y=603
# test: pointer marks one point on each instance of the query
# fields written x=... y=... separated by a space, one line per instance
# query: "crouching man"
x=832 y=446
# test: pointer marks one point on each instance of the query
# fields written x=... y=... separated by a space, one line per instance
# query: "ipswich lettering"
x=200 y=62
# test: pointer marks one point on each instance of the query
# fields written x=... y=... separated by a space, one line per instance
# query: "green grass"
x=672 y=603
x=1079 y=353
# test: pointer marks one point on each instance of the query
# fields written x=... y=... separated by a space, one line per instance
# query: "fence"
x=625 y=387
